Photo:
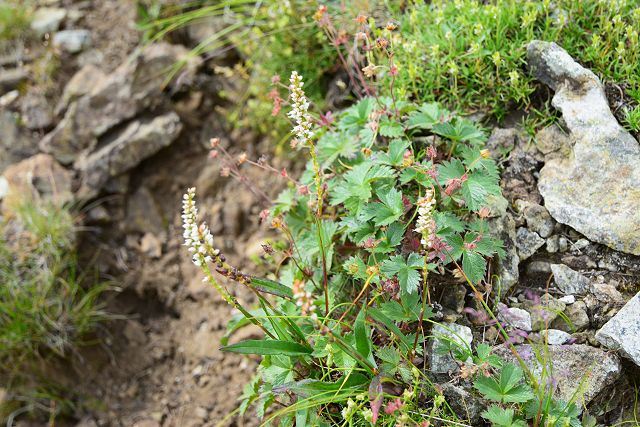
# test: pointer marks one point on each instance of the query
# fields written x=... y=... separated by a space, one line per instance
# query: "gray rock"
x=595 y=190
x=569 y=281
x=464 y=402
x=516 y=318
x=568 y=299
x=553 y=244
x=143 y=213
x=622 y=332
x=537 y=268
x=36 y=112
x=40 y=176
x=556 y=336
x=134 y=87
x=537 y=218
x=563 y=244
x=575 y=318
x=552 y=140
x=527 y=243
x=11 y=79
x=14 y=144
x=544 y=311
x=80 y=84
x=72 y=41
x=440 y=361
x=138 y=141
x=504 y=228
x=580 y=372
x=47 y=20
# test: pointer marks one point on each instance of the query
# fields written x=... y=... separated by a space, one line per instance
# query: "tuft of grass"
x=45 y=311
x=632 y=119
x=14 y=20
x=471 y=55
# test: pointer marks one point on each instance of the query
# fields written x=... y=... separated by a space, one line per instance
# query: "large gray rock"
x=622 y=332
x=579 y=372
x=569 y=281
x=595 y=189
x=138 y=141
x=134 y=87
x=441 y=361
x=514 y=317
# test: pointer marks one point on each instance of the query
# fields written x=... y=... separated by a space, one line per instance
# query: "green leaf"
x=389 y=209
x=264 y=347
x=425 y=117
x=450 y=169
x=333 y=145
x=395 y=155
x=407 y=271
x=477 y=187
x=360 y=330
x=500 y=417
x=506 y=389
x=271 y=287
x=391 y=128
x=474 y=266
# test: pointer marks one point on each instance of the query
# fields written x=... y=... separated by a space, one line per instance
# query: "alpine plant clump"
x=395 y=202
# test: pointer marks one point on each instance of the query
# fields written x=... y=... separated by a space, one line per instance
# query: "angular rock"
x=556 y=336
x=527 y=242
x=577 y=317
x=537 y=218
x=138 y=141
x=544 y=311
x=40 y=176
x=504 y=228
x=80 y=84
x=36 y=112
x=440 y=360
x=553 y=140
x=513 y=317
x=569 y=281
x=133 y=87
x=72 y=41
x=14 y=144
x=47 y=20
x=622 y=332
x=580 y=372
x=594 y=190
x=464 y=402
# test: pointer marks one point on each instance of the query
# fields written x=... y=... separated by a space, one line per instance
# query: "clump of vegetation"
x=393 y=203
x=45 y=312
x=14 y=20
x=471 y=55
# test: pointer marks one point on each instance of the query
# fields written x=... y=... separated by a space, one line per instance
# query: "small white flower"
x=425 y=222
x=299 y=109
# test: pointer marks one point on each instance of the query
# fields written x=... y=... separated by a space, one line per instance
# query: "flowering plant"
x=393 y=204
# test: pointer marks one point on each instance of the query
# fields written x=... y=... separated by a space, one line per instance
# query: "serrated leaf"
x=395 y=155
x=474 y=266
x=450 y=169
x=425 y=117
x=391 y=128
x=388 y=210
x=265 y=347
x=407 y=271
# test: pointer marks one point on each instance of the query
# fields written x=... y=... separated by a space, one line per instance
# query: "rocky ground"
x=108 y=132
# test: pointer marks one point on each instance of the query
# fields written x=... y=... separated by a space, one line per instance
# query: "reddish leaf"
x=375 y=397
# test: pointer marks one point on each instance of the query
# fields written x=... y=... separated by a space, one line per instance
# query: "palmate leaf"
x=477 y=187
x=389 y=209
x=357 y=116
x=450 y=169
x=501 y=417
x=426 y=116
x=505 y=389
x=407 y=271
x=391 y=128
x=333 y=145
